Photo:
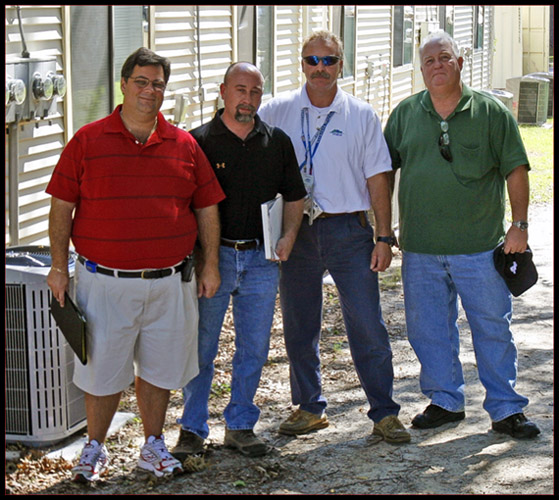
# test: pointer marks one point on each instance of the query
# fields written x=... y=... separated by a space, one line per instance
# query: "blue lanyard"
x=308 y=142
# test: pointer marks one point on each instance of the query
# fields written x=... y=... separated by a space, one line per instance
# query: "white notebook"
x=272 y=222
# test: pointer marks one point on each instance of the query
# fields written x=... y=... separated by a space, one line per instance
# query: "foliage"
x=538 y=142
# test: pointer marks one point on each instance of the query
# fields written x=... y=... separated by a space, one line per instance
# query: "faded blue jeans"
x=343 y=247
x=432 y=285
x=252 y=282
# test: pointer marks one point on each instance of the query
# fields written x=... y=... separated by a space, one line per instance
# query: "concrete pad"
x=73 y=449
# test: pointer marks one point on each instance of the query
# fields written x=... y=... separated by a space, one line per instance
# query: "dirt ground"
x=462 y=458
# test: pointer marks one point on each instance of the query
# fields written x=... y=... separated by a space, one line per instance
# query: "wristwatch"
x=521 y=224
x=390 y=240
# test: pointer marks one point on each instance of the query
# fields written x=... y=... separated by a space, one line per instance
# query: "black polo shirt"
x=250 y=172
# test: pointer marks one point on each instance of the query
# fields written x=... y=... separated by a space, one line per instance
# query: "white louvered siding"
x=463 y=25
x=289 y=39
x=175 y=37
x=173 y=33
x=39 y=148
x=374 y=35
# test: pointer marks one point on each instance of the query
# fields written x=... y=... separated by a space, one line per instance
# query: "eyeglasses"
x=143 y=82
x=326 y=60
x=444 y=142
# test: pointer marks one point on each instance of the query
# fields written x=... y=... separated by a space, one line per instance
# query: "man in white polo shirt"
x=344 y=162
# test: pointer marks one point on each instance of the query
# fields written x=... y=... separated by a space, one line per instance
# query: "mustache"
x=251 y=108
x=320 y=74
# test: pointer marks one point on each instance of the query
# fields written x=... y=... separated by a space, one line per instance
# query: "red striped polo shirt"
x=134 y=202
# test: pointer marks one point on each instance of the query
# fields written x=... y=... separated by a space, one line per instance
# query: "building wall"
x=32 y=149
x=535 y=39
x=201 y=42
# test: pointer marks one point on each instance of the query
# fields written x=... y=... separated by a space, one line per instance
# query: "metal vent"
x=533 y=102
x=42 y=403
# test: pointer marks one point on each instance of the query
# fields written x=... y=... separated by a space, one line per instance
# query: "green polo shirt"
x=453 y=207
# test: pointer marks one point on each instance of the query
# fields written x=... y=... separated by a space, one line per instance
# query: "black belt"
x=240 y=244
x=146 y=274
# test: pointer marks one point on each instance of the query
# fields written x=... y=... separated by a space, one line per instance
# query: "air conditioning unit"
x=43 y=405
x=505 y=97
x=530 y=98
x=549 y=78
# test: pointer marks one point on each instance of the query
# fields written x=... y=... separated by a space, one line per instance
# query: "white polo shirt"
x=351 y=150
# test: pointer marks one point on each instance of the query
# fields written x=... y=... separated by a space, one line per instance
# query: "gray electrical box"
x=43 y=86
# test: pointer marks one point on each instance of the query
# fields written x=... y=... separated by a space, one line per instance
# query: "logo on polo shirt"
x=337 y=132
x=220 y=165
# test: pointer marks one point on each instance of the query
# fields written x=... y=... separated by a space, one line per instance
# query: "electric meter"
x=43 y=88
x=59 y=84
x=17 y=91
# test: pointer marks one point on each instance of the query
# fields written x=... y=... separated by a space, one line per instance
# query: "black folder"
x=72 y=324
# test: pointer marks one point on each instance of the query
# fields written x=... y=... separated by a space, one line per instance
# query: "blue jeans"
x=343 y=247
x=432 y=284
x=252 y=282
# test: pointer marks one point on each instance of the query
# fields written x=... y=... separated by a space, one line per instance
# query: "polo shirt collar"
x=337 y=103
x=464 y=103
x=115 y=125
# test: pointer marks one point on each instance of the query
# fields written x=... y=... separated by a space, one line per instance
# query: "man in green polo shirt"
x=456 y=149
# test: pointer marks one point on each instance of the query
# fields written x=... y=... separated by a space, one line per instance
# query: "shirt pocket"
x=471 y=163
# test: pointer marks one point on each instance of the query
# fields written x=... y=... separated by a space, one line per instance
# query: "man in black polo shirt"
x=253 y=163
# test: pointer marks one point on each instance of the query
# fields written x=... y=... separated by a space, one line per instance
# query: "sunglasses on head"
x=326 y=60
x=444 y=142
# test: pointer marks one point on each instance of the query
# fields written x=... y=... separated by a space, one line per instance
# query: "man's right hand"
x=58 y=283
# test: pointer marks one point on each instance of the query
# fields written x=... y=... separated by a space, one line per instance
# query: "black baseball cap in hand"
x=517 y=269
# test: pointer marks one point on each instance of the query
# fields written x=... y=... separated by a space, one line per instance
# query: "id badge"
x=308 y=181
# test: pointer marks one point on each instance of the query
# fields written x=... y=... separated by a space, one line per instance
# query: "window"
x=255 y=41
x=343 y=24
x=446 y=18
x=479 y=14
x=103 y=37
x=403 y=35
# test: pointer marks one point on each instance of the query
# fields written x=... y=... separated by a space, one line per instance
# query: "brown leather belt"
x=360 y=213
x=326 y=215
x=240 y=244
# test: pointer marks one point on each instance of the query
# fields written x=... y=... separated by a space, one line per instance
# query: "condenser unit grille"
x=18 y=417
x=43 y=404
x=532 y=102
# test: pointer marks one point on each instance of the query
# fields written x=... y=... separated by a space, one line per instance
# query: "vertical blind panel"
x=90 y=63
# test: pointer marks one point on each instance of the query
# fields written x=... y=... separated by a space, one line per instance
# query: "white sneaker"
x=156 y=459
x=93 y=463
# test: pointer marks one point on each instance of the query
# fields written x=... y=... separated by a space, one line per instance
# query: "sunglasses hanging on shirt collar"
x=444 y=142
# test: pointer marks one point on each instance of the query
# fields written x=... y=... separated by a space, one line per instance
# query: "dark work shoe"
x=246 y=442
x=434 y=416
x=187 y=444
x=517 y=426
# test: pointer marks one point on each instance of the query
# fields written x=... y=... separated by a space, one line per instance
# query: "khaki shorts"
x=136 y=327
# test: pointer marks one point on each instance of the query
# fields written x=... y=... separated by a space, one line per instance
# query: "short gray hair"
x=444 y=37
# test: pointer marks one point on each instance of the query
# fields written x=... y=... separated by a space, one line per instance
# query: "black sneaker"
x=517 y=426
x=435 y=416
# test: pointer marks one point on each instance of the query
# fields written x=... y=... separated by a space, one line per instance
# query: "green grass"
x=538 y=142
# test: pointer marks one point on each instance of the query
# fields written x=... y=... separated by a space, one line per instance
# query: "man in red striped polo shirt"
x=133 y=193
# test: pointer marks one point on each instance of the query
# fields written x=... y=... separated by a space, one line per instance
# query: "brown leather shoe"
x=246 y=442
x=302 y=422
x=187 y=444
x=391 y=430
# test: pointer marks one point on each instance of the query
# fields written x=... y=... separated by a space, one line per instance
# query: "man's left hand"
x=381 y=257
